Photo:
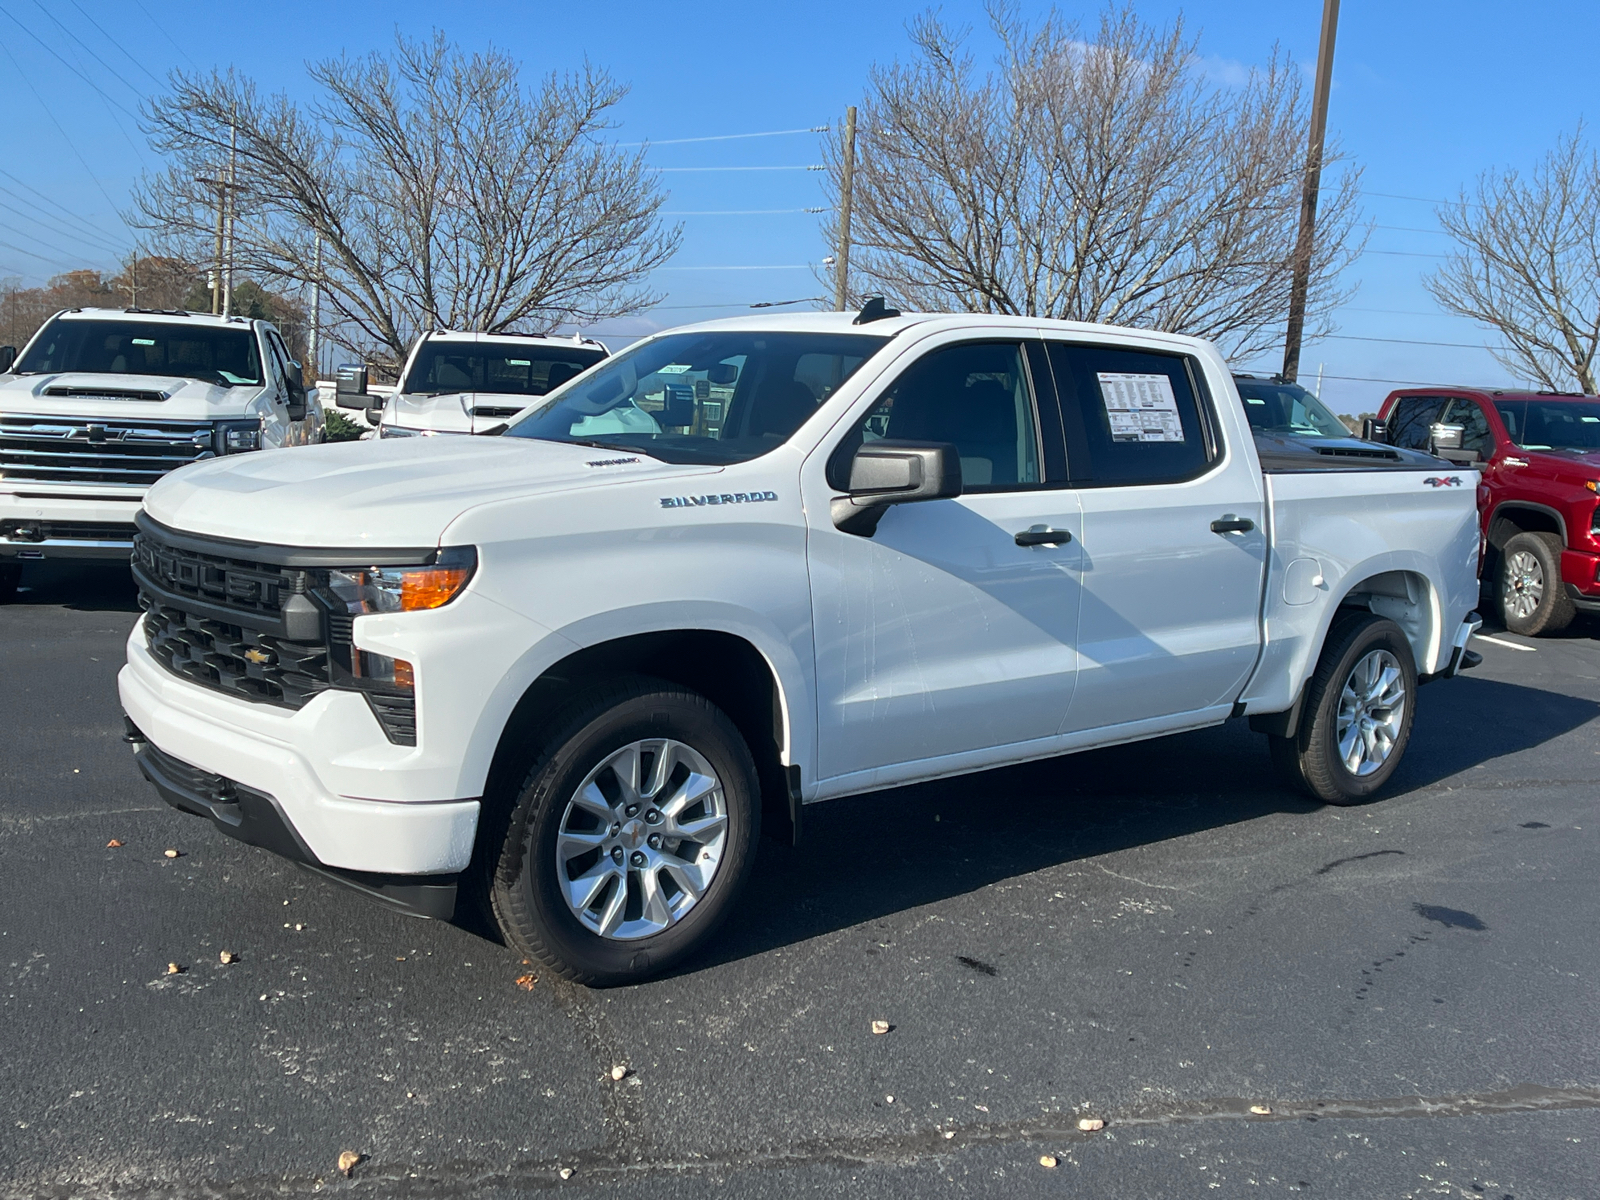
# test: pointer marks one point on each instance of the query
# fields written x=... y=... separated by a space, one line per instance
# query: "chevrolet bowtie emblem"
x=258 y=656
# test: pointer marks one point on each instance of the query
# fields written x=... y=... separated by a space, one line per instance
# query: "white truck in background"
x=749 y=565
x=102 y=402
x=463 y=383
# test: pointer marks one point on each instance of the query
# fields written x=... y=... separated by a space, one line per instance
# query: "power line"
x=53 y=262
x=61 y=228
x=71 y=145
x=115 y=74
x=774 y=267
x=1352 y=337
x=12 y=229
x=1412 y=229
x=49 y=49
x=727 y=137
x=1406 y=253
x=815 y=167
x=743 y=212
x=163 y=31
x=117 y=44
x=57 y=207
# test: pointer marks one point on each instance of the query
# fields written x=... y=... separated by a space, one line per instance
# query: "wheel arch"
x=726 y=667
x=1512 y=517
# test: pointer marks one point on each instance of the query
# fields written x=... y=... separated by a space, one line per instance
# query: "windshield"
x=1289 y=409
x=500 y=368
x=702 y=397
x=216 y=354
x=1551 y=425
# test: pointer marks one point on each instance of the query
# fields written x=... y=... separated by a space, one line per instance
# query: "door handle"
x=1040 y=536
x=1228 y=523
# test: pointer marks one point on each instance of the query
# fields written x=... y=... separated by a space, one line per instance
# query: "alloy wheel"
x=1372 y=706
x=641 y=839
x=1524 y=585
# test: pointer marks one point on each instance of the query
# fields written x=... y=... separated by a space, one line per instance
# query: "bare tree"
x=1527 y=265
x=446 y=193
x=1101 y=179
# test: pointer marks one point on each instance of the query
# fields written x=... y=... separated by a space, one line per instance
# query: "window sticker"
x=1140 y=408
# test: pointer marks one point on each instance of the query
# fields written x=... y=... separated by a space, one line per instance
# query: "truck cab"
x=473 y=382
x=102 y=402
x=1539 y=458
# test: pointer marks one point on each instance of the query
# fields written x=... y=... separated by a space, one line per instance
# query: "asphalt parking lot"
x=1160 y=936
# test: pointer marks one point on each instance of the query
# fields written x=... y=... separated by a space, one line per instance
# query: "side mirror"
x=297 y=393
x=350 y=387
x=1374 y=430
x=8 y=355
x=1445 y=437
x=889 y=472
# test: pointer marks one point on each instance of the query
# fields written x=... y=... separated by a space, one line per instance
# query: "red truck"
x=1539 y=454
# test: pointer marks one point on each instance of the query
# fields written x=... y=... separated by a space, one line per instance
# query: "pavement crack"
x=607 y=1166
x=622 y=1104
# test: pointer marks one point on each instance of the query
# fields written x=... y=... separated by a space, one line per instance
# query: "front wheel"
x=631 y=837
x=1357 y=715
x=1533 y=599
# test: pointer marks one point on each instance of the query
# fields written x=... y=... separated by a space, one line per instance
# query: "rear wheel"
x=10 y=578
x=1358 y=712
x=1533 y=600
x=631 y=836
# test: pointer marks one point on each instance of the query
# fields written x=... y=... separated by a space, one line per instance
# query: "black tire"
x=525 y=893
x=1552 y=611
x=1311 y=759
x=10 y=580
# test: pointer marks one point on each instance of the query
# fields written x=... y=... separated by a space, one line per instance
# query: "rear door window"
x=1131 y=416
x=1410 y=421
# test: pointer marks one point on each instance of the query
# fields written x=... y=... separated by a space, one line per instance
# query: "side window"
x=975 y=395
x=1475 y=432
x=1408 y=424
x=1131 y=416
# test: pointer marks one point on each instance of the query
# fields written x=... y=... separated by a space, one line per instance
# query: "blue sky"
x=1426 y=95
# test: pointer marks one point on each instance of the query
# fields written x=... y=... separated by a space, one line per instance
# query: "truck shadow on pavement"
x=79 y=587
x=867 y=857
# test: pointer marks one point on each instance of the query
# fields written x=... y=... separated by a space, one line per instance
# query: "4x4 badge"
x=1439 y=481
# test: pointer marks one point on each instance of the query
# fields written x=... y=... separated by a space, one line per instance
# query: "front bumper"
x=312 y=763
x=42 y=525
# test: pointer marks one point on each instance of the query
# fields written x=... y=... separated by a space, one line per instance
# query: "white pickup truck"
x=472 y=382
x=102 y=402
x=572 y=671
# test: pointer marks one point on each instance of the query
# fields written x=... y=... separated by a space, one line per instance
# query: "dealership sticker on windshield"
x=1140 y=408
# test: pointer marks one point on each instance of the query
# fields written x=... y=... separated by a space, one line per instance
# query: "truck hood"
x=399 y=493
x=455 y=412
x=81 y=394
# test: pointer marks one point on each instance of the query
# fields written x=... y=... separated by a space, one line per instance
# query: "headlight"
x=404 y=589
x=234 y=437
x=389 y=431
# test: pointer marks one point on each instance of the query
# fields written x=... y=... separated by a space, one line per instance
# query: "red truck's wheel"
x=1533 y=600
x=1358 y=712
x=631 y=836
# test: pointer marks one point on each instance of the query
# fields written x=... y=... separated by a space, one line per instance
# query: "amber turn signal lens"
x=402 y=674
x=431 y=588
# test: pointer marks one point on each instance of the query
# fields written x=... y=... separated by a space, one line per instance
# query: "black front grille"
x=234 y=584
x=235 y=659
x=70 y=450
x=66 y=531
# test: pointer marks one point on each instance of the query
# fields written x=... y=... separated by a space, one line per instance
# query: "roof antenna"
x=874 y=310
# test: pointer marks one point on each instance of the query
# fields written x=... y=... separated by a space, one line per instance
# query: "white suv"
x=750 y=565
x=473 y=382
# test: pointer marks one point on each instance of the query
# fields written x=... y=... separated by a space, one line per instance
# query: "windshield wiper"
x=599 y=445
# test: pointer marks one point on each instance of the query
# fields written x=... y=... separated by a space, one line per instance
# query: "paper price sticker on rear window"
x=1140 y=408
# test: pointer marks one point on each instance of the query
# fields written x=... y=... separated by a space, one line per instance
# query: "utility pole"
x=1305 y=242
x=233 y=204
x=316 y=314
x=847 y=182
x=216 y=273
